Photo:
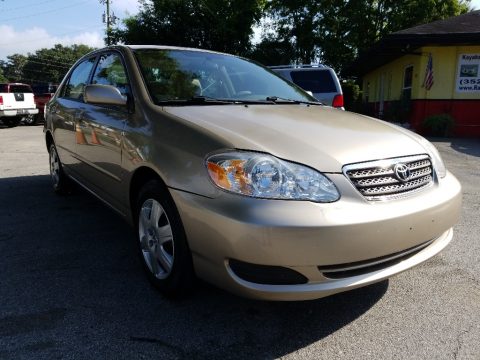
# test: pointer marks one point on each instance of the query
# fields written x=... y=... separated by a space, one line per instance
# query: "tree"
x=2 y=77
x=222 y=25
x=51 y=65
x=44 y=66
x=336 y=31
x=13 y=67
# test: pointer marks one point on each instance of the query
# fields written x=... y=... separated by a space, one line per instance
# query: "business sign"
x=468 y=73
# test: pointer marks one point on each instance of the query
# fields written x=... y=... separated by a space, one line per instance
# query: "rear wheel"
x=60 y=181
x=11 y=121
x=162 y=242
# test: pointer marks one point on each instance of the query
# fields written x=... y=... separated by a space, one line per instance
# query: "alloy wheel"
x=156 y=238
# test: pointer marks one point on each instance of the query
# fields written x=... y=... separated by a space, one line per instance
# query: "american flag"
x=428 y=81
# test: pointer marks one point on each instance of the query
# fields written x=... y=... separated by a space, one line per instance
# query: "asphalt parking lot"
x=70 y=287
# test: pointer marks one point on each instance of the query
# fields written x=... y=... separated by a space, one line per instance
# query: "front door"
x=100 y=146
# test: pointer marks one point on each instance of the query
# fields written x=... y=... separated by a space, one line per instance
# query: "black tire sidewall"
x=62 y=186
x=180 y=281
x=11 y=121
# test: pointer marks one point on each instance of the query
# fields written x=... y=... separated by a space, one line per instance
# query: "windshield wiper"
x=201 y=98
x=278 y=100
x=195 y=100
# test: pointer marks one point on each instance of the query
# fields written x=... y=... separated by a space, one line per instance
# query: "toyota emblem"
x=402 y=172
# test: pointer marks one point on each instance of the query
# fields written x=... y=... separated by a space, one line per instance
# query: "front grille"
x=377 y=180
x=343 y=271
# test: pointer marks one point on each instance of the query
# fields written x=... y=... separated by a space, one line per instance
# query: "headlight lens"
x=265 y=176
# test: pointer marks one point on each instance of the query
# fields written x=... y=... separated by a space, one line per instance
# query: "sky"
x=29 y=25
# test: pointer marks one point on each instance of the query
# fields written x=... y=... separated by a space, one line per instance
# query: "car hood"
x=321 y=137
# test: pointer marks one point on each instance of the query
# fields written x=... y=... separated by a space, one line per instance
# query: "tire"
x=161 y=241
x=60 y=181
x=11 y=121
x=30 y=120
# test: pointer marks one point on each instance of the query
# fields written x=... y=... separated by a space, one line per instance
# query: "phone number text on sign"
x=468 y=73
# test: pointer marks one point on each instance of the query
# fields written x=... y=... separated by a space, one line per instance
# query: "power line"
x=44 y=12
x=27 y=6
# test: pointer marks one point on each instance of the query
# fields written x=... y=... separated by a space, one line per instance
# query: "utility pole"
x=108 y=19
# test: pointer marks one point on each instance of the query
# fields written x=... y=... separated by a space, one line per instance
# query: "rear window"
x=3 y=88
x=20 y=89
x=44 y=89
x=318 y=81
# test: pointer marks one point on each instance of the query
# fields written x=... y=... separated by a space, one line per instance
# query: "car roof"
x=165 y=47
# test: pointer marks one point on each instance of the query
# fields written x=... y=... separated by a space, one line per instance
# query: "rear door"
x=65 y=109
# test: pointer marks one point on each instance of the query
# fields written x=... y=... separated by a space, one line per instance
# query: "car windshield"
x=184 y=75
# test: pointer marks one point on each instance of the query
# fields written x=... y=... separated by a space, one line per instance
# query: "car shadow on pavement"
x=466 y=146
x=72 y=284
x=469 y=146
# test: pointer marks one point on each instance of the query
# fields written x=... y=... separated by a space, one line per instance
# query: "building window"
x=407 y=84
x=407 y=79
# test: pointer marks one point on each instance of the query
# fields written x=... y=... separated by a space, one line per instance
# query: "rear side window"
x=110 y=71
x=318 y=81
x=78 y=79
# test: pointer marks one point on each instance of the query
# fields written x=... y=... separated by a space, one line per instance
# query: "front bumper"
x=18 y=112
x=307 y=237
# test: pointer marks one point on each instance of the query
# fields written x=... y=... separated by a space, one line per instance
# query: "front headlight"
x=438 y=163
x=265 y=176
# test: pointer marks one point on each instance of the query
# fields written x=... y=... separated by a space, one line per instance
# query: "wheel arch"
x=140 y=177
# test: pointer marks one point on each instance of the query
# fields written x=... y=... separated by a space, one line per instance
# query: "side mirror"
x=103 y=95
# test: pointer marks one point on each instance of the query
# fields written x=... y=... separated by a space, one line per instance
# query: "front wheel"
x=162 y=242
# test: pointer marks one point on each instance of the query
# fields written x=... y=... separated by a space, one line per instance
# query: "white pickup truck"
x=16 y=102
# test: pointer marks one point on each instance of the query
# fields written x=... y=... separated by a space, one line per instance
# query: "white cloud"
x=125 y=7
x=35 y=38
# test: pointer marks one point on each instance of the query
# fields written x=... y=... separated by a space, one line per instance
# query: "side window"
x=78 y=79
x=110 y=71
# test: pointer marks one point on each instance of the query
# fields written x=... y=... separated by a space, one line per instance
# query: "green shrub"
x=439 y=125
x=352 y=96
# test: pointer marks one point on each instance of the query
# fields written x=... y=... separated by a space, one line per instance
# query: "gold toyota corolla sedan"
x=235 y=175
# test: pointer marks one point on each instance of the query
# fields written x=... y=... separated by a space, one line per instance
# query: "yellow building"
x=426 y=70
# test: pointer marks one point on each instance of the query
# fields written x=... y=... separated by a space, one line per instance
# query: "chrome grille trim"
x=376 y=180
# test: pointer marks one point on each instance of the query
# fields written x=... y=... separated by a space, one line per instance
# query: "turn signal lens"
x=265 y=176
